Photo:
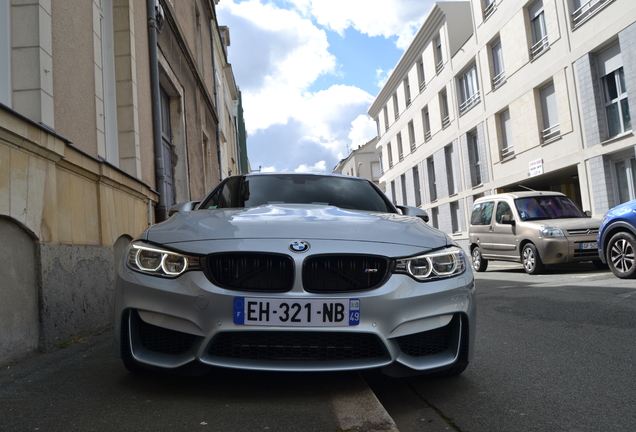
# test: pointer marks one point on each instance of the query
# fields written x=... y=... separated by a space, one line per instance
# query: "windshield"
x=253 y=191
x=547 y=207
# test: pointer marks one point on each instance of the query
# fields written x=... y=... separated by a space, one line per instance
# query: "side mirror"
x=508 y=220
x=588 y=213
x=414 y=211
x=183 y=207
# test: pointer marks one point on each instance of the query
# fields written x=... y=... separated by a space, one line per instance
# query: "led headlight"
x=434 y=265
x=549 y=232
x=159 y=262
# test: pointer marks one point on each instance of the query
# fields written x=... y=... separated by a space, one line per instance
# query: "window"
x=393 y=192
x=412 y=136
x=499 y=73
x=403 y=184
x=468 y=90
x=489 y=8
x=416 y=186
x=585 y=9
x=407 y=91
x=444 y=108
x=376 y=170
x=427 y=124
x=550 y=114
x=507 y=149
x=390 y=153
x=503 y=209
x=435 y=217
x=381 y=166
x=400 y=149
x=377 y=126
x=5 y=52
x=386 y=119
x=616 y=104
x=109 y=83
x=450 y=178
x=625 y=171
x=199 y=41
x=396 y=108
x=432 y=186
x=455 y=217
x=482 y=213
x=539 y=33
x=439 y=58
x=474 y=158
x=167 y=151
x=420 y=75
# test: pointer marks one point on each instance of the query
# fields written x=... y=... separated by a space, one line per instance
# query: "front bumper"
x=169 y=323
x=560 y=250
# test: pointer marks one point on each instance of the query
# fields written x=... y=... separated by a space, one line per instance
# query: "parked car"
x=296 y=272
x=617 y=240
x=533 y=228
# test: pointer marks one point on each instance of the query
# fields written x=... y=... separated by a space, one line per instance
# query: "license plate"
x=589 y=245
x=296 y=313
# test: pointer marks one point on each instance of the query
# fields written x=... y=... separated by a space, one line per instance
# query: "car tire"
x=620 y=255
x=531 y=260
x=479 y=263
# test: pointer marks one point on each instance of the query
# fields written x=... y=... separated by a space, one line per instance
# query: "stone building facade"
x=110 y=112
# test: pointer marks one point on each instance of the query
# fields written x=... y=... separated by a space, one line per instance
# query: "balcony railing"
x=508 y=152
x=427 y=136
x=440 y=66
x=587 y=10
x=401 y=157
x=469 y=103
x=499 y=80
x=413 y=146
x=422 y=86
x=539 y=48
x=445 y=122
x=551 y=134
x=490 y=9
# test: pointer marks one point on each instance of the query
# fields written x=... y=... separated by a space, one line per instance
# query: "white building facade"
x=362 y=162
x=500 y=95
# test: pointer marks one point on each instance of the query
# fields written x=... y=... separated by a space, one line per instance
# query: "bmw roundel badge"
x=299 y=246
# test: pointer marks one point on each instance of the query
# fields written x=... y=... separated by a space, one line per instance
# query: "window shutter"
x=610 y=60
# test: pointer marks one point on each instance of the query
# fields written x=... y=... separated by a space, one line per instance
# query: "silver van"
x=533 y=228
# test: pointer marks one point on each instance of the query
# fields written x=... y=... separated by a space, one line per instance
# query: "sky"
x=309 y=70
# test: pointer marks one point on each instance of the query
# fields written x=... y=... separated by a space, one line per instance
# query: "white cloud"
x=363 y=129
x=277 y=55
x=287 y=53
x=318 y=167
x=387 y=18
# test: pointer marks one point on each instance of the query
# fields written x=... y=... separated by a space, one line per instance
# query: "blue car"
x=617 y=240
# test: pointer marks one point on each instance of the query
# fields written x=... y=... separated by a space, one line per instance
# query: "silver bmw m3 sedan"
x=295 y=272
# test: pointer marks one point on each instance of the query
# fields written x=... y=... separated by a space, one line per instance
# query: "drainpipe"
x=155 y=97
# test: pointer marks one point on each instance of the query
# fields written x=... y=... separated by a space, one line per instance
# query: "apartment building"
x=362 y=162
x=110 y=112
x=501 y=95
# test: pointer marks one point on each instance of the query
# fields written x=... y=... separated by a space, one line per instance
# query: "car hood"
x=568 y=223
x=295 y=221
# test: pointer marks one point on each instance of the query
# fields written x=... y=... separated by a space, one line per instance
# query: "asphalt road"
x=554 y=352
x=85 y=388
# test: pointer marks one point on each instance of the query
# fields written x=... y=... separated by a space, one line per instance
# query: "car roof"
x=518 y=194
x=257 y=173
